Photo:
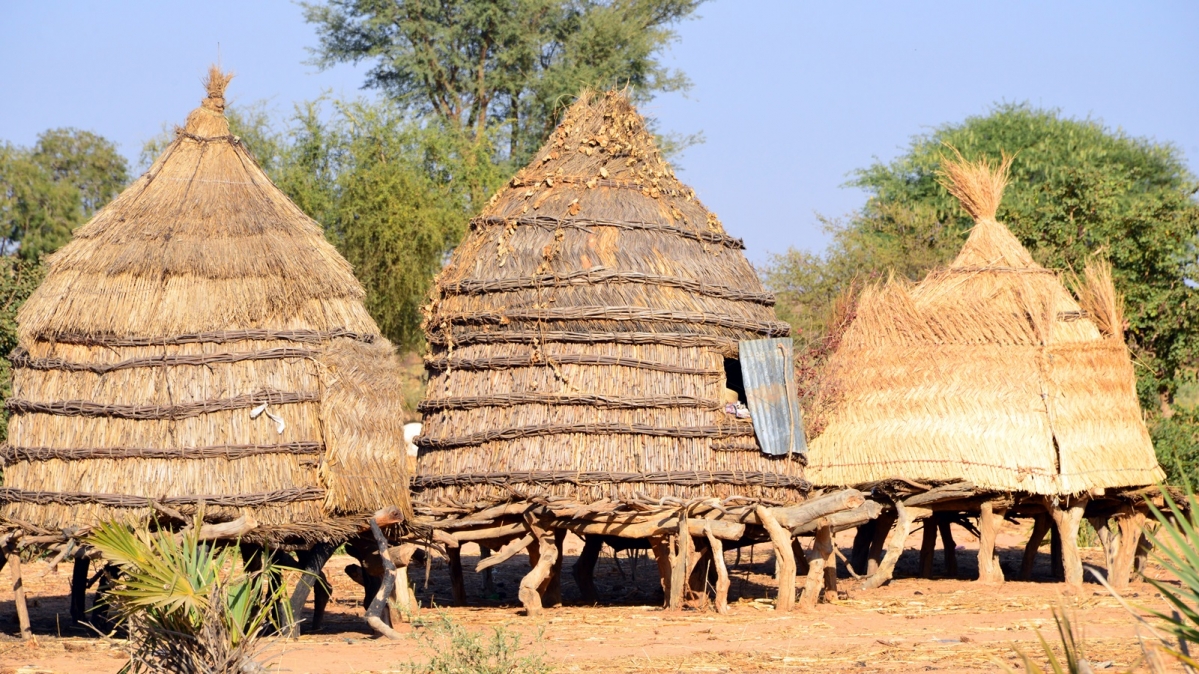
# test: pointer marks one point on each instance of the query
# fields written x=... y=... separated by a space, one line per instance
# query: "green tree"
x=1078 y=189
x=511 y=65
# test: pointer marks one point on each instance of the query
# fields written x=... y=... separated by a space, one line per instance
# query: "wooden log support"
x=18 y=591
x=1055 y=551
x=457 y=582
x=878 y=544
x=660 y=546
x=1041 y=525
x=1144 y=547
x=79 y=576
x=374 y=612
x=859 y=557
x=320 y=599
x=846 y=519
x=1067 y=515
x=801 y=558
x=551 y=589
x=722 y=571
x=698 y=575
x=824 y=545
x=955 y=491
x=784 y=559
x=405 y=598
x=584 y=568
x=990 y=516
x=1130 y=523
x=724 y=529
x=505 y=553
x=814 y=578
x=679 y=562
x=488 y=577
x=311 y=563
x=538 y=523
x=487 y=534
x=795 y=517
x=928 y=547
x=1106 y=541
x=903 y=527
x=950 y=546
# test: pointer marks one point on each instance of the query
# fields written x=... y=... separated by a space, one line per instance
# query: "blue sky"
x=791 y=96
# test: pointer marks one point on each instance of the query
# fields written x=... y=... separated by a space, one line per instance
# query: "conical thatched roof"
x=579 y=333
x=196 y=296
x=988 y=371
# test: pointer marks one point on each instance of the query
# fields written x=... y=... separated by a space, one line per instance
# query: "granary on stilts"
x=988 y=389
x=590 y=353
x=200 y=349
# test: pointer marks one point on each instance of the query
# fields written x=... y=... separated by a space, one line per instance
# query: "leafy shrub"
x=455 y=649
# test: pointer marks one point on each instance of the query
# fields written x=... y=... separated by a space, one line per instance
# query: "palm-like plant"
x=1175 y=542
x=189 y=607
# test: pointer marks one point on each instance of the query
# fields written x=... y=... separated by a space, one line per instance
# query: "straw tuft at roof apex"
x=978 y=185
x=215 y=86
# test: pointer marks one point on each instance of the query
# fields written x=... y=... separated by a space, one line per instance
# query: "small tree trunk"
x=1131 y=523
x=949 y=545
x=457 y=582
x=722 y=572
x=878 y=544
x=989 y=519
x=784 y=559
x=1066 y=518
x=584 y=568
x=18 y=591
x=547 y=555
x=660 y=545
x=928 y=547
x=862 y=538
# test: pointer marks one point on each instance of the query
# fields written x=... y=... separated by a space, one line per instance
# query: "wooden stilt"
x=1103 y=532
x=824 y=545
x=801 y=558
x=948 y=545
x=320 y=599
x=584 y=568
x=311 y=563
x=551 y=588
x=878 y=544
x=1067 y=515
x=1130 y=523
x=862 y=538
x=488 y=577
x=678 y=565
x=784 y=559
x=697 y=576
x=378 y=609
x=895 y=544
x=660 y=546
x=79 y=577
x=457 y=582
x=989 y=518
x=1144 y=546
x=928 y=547
x=1055 y=551
x=814 y=579
x=722 y=571
x=18 y=591
x=1042 y=522
x=547 y=555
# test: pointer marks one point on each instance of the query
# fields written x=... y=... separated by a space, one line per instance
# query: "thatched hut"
x=989 y=382
x=585 y=342
x=200 y=346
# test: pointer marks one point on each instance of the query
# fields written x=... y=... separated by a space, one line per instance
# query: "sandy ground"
x=910 y=625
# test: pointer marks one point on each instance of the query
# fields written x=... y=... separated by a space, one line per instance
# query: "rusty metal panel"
x=768 y=373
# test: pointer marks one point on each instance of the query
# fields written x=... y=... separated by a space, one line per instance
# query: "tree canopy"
x=507 y=65
x=1078 y=189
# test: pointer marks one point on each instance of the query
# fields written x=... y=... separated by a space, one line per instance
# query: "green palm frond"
x=1175 y=549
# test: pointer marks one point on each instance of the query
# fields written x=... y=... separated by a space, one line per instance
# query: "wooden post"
x=1067 y=515
x=488 y=577
x=814 y=579
x=1055 y=550
x=457 y=582
x=878 y=544
x=824 y=545
x=551 y=588
x=1040 y=526
x=18 y=591
x=862 y=539
x=1131 y=523
x=801 y=558
x=697 y=576
x=903 y=526
x=1144 y=546
x=948 y=545
x=1106 y=541
x=379 y=605
x=79 y=576
x=660 y=546
x=679 y=562
x=784 y=559
x=989 y=519
x=547 y=555
x=928 y=547
x=584 y=568
x=722 y=571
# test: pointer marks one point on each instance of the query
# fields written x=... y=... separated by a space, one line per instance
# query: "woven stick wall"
x=988 y=371
x=198 y=295
x=579 y=334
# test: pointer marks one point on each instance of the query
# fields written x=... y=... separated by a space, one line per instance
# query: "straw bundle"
x=198 y=295
x=988 y=371
x=580 y=334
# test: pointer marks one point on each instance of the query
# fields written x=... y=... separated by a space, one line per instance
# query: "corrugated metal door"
x=768 y=373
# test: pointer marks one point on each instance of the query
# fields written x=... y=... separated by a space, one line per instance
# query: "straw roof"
x=579 y=333
x=198 y=295
x=989 y=370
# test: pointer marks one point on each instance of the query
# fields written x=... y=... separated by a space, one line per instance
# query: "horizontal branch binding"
x=586 y=224
x=82 y=408
x=20 y=359
x=481 y=437
x=599 y=276
x=68 y=498
x=10 y=454
x=439 y=363
x=726 y=345
x=682 y=478
x=222 y=337
x=619 y=314
x=597 y=401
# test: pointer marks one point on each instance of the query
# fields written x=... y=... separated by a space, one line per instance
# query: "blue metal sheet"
x=768 y=373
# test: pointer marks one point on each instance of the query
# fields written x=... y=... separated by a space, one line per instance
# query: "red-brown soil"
x=910 y=625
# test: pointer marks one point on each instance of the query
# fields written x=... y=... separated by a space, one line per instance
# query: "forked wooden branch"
x=374 y=612
x=505 y=553
x=784 y=558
